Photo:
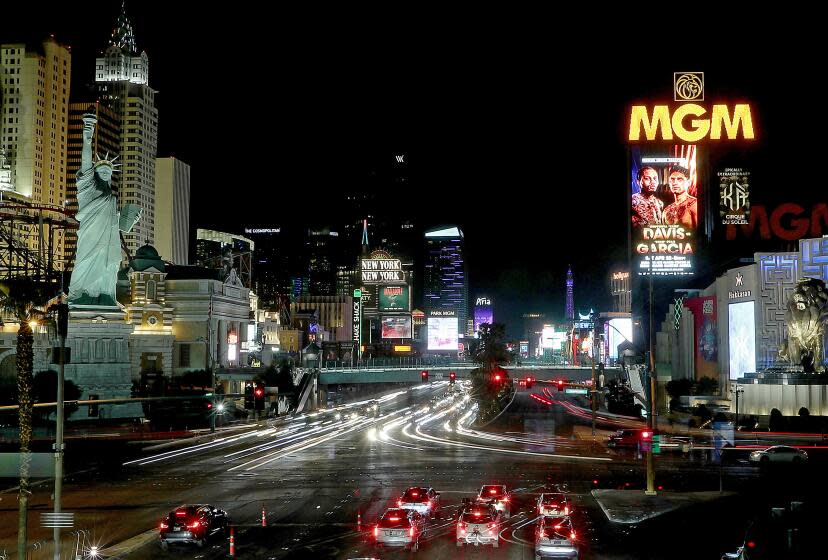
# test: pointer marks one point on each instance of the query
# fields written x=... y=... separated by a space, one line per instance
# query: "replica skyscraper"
x=122 y=80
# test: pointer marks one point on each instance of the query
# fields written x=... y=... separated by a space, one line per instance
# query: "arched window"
x=151 y=290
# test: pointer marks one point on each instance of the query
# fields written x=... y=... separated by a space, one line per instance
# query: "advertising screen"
x=618 y=330
x=665 y=209
x=742 y=337
x=734 y=196
x=552 y=339
x=394 y=298
x=706 y=344
x=396 y=327
x=442 y=333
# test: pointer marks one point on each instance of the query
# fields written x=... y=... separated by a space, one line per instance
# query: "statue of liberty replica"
x=98 y=254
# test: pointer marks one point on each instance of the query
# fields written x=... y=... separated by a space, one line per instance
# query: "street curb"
x=130 y=545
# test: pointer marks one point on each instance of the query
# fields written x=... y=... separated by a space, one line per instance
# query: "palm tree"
x=24 y=300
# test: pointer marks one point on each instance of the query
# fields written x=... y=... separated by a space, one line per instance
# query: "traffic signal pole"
x=63 y=326
x=651 y=418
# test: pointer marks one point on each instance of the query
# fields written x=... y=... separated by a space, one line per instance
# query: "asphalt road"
x=317 y=478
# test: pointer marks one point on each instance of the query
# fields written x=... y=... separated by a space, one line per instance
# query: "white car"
x=479 y=524
x=553 y=504
x=399 y=527
x=498 y=496
x=555 y=538
x=779 y=454
x=423 y=500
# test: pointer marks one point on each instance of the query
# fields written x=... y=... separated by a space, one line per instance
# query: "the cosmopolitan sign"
x=690 y=123
x=381 y=271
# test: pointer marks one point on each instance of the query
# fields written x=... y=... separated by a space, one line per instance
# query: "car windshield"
x=323 y=257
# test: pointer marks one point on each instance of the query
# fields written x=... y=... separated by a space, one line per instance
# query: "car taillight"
x=399 y=503
x=194 y=525
x=164 y=525
x=376 y=531
x=430 y=503
x=751 y=544
x=572 y=535
x=393 y=518
x=557 y=527
x=566 y=510
x=180 y=513
x=505 y=499
x=411 y=532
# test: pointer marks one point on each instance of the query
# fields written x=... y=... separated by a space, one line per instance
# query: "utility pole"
x=62 y=327
x=214 y=410
x=651 y=418
x=593 y=392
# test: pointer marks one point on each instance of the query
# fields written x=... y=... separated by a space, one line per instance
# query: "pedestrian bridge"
x=411 y=374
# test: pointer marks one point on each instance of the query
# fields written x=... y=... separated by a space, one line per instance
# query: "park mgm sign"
x=690 y=121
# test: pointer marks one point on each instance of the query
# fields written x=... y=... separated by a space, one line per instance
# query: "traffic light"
x=452 y=377
x=560 y=385
x=424 y=376
x=258 y=394
x=248 y=396
x=646 y=440
x=529 y=382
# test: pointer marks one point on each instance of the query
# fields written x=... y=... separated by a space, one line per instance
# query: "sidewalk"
x=634 y=506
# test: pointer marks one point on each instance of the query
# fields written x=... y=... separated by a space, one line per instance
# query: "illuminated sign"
x=620 y=275
x=688 y=86
x=664 y=207
x=396 y=327
x=442 y=313
x=552 y=339
x=788 y=221
x=357 y=324
x=738 y=294
x=402 y=348
x=394 y=298
x=734 y=196
x=262 y=230
x=381 y=271
x=659 y=124
x=232 y=338
x=483 y=313
x=442 y=333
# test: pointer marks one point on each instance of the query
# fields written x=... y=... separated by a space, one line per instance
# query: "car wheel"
x=765 y=459
x=415 y=546
x=459 y=544
x=164 y=545
x=496 y=544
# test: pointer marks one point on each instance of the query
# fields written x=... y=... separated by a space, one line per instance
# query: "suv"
x=555 y=538
x=193 y=524
x=399 y=527
x=479 y=524
x=553 y=504
x=497 y=495
x=424 y=501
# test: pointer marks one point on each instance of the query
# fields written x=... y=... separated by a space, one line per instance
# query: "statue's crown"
x=106 y=161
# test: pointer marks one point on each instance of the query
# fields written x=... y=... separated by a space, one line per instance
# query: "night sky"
x=521 y=143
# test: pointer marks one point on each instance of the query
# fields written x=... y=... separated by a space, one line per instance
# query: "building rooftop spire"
x=122 y=35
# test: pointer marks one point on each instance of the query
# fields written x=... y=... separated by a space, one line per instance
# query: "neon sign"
x=659 y=122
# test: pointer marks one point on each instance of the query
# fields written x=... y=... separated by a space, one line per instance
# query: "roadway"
x=317 y=476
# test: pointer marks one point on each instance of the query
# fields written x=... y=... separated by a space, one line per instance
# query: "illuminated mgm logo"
x=688 y=86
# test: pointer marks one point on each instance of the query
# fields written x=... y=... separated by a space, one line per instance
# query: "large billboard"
x=665 y=209
x=619 y=330
x=742 y=338
x=734 y=196
x=706 y=343
x=396 y=326
x=483 y=312
x=442 y=333
x=394 y=298
x=552 y=339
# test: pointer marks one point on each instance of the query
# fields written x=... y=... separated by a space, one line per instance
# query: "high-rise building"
x=225 y=251
x=105 y=141
x=34 y=106
x=172 y=203
x=621 y=294
x=122 y=83
x=445 y=282
x=570 y=295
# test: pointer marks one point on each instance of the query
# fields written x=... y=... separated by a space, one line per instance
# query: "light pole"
x=62 y=328
x=651 y=418
x=736 y=390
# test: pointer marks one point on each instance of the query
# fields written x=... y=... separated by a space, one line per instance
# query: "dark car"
x=193 y=524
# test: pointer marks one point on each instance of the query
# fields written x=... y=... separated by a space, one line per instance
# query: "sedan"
x=193 y=524
x=779 y=454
